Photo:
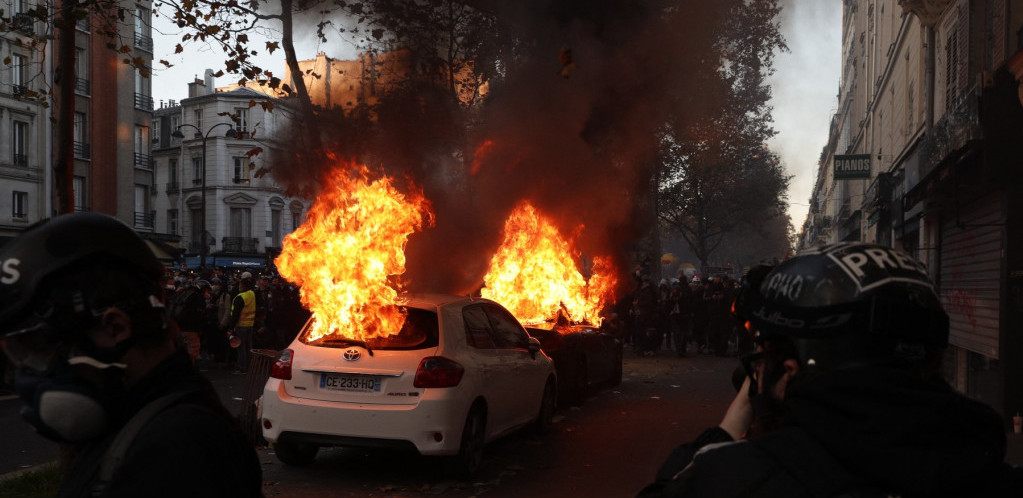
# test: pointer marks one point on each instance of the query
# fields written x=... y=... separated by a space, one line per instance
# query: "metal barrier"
x=260 y=362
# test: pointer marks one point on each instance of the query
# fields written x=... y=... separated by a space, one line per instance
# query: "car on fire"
x=585 y=357
x=460 y=373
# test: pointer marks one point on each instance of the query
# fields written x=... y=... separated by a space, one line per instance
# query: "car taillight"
x=282 y=367
x=437 y=371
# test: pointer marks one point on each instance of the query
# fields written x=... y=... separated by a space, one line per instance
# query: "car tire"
x=470 y=449
x=616 y=377
x=548 y=406
x=295 y=454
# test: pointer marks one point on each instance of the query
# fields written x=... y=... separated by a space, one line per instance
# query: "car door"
x=488 y=362
x=521 y=378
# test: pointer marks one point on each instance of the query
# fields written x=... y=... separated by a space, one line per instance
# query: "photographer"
x=844 y=396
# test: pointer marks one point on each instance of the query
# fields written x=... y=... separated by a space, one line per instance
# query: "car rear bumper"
x=437 y=415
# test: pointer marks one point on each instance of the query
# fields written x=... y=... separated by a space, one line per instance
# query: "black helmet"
x=847 y=302
x=52 y=246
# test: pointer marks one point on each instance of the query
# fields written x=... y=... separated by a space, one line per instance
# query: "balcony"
x=143 y=161
x=144 y=42
x=19 y=90
x=20 y=160
x=144 y=102
x=239 y=244
x=173 y=187
x=81 y=150
x=144 y=220
x=952 y=134
x=241 y=181
x=82 y=24
x=82 y=86
x=24 y=23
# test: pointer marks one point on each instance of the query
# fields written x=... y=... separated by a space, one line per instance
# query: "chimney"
x=208 y=80
x=196 y=88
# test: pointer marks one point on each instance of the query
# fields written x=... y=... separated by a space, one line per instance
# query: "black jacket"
x=192 y=448
x=856 y=432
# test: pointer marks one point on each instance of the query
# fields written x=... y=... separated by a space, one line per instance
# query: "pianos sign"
x=852 y=167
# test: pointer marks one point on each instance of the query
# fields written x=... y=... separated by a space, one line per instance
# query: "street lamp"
x=203 y=246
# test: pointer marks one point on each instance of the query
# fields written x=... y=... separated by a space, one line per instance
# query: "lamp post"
x=203 y=246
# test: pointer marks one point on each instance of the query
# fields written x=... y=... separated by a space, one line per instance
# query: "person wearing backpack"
x=82 y=317
x=844 y=396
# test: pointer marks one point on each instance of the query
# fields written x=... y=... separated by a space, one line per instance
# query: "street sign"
x=852 y=167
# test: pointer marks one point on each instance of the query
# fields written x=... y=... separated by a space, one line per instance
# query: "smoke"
x=581 y=147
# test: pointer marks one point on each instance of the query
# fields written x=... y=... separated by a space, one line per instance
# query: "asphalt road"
x=610 y=445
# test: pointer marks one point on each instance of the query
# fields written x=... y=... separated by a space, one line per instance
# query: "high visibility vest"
x=248 y=316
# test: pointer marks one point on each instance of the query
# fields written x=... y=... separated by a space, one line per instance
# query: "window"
x=175 y=123
x=172 y=221
x=156 y=131
x=19 y=205
x=196 y=227
x=80 y=128
x=241 y=222
x=275 y=227
x=241 y=170
x=141 y=21
x=19 y=74
x=78 y=186
x=81 y=71
x=508 y=334
x=197 y=171
x=951 y=65
x=141 y=81
x=197 y=118
x=241 y=121
x=19 y=143
x=81 y=141
x=477 y=328
x=172 y=172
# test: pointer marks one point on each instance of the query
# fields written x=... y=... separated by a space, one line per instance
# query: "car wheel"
x=295 y=454
x=470 y=450
x=548 y=405
x=616 y=377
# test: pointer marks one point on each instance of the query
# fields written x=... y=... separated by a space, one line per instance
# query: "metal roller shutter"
x=970 y=275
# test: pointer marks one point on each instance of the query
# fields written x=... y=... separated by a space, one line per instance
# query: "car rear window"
x=420 y=331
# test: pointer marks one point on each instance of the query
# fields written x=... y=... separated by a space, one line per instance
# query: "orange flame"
x=534 y=273
x=481 y=153
x=349 y=252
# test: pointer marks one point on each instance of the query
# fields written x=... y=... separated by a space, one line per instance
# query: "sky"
x=804 y=87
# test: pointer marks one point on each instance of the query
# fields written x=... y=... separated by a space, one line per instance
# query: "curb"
x=16 y=473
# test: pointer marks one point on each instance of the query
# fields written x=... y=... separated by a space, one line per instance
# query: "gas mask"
x=68 y=398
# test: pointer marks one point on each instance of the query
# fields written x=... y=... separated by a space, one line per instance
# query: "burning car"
x=585 y=357
x=459 y=373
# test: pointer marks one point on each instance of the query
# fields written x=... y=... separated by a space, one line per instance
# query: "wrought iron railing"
x=239 y=244
x=143 y=161
x=144 y=102
x=20 y=159
x=144 y=42
x=24 y=23
x=82 y=86
x=81 y=150
x=173 y=187
x=144 y=220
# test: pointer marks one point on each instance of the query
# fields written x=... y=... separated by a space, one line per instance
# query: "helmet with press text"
x=847 y=302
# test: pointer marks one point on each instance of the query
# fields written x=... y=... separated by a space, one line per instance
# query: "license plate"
x=350 y=383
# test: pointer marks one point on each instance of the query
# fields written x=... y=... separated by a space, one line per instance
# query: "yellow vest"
x=248 y=316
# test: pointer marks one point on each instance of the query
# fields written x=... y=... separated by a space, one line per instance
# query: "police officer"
x=844 y=396
x=82 y=317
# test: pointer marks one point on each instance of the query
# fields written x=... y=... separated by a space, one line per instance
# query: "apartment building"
x=112 y=170
x=205 y=177
x=924 y=153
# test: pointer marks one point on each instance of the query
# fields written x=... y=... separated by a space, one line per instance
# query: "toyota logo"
x=352 y=354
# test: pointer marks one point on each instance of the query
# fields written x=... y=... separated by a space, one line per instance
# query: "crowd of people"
x=219 y=325
x=683 y=314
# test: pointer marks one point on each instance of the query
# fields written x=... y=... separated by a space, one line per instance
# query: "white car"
x=461 y=372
